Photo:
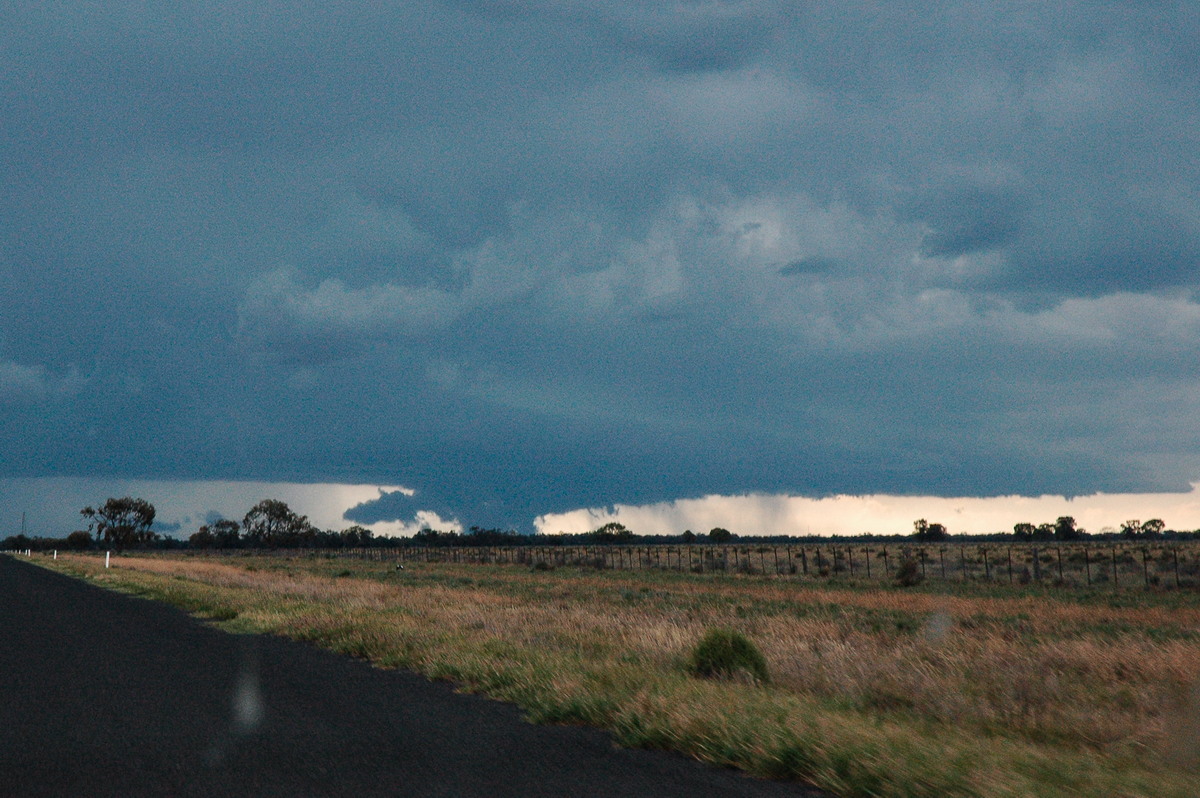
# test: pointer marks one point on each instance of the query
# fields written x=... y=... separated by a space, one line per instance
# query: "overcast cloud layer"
x=531 y=257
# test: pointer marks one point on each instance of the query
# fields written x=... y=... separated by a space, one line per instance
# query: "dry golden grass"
x=873 y=692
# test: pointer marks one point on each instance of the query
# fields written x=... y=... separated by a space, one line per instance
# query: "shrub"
x=726 y=654
x=909 y=573
x=79 y=540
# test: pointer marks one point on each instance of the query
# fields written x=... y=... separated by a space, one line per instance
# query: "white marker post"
x=106 y=555
x=56 y=554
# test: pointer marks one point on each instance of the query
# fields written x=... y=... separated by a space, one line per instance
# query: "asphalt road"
x=103 y=694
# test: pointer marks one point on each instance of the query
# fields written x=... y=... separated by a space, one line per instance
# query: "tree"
x=17 y=542
x=79 y=540
x=688 y=536
x=1131 y=529
x=202 y=538
x=612 y=532
x=272 y=523
x=1153 y=528
x=224 y=532
x=1065 y=529
x=925 y=531
x=220 y=534
x=719 y=535
x=1023 y=531
x=122 y=522
x=356 y=537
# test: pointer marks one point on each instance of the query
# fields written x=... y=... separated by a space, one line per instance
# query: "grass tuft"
x=728 y=654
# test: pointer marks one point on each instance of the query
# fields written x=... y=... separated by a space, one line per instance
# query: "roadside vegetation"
x=866 y=689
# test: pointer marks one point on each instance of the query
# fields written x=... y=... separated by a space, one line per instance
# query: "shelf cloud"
x=529 y=258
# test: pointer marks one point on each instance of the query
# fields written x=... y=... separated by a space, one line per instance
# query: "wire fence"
x=1150 y=565
x=1157 y=565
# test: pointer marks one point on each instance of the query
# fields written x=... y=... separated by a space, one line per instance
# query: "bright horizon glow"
x=760 y=514
x=52 y=506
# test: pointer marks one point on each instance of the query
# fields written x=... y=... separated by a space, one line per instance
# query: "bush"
x=726 y=654
x=909 y=573
x=79 y=541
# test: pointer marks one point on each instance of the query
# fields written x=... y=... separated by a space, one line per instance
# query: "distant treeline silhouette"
x=125 y=523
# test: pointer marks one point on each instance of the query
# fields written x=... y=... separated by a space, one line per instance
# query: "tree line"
x=127 y=522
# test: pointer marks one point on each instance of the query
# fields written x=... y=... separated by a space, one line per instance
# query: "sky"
x=527 y=259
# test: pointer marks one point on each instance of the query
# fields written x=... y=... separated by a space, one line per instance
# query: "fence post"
x=107 y=554
x=1114 y=554
x=1087 y=565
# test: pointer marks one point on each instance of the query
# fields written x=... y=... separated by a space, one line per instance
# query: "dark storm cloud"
x=530 y=256
x=813 y=264
x=390 y=506
x=967 y=221
x=399 y=506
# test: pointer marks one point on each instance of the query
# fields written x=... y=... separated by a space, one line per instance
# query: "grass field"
x=1116 y=564
x=939 y=690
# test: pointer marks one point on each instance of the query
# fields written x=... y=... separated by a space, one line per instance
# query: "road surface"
x=103 y=694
